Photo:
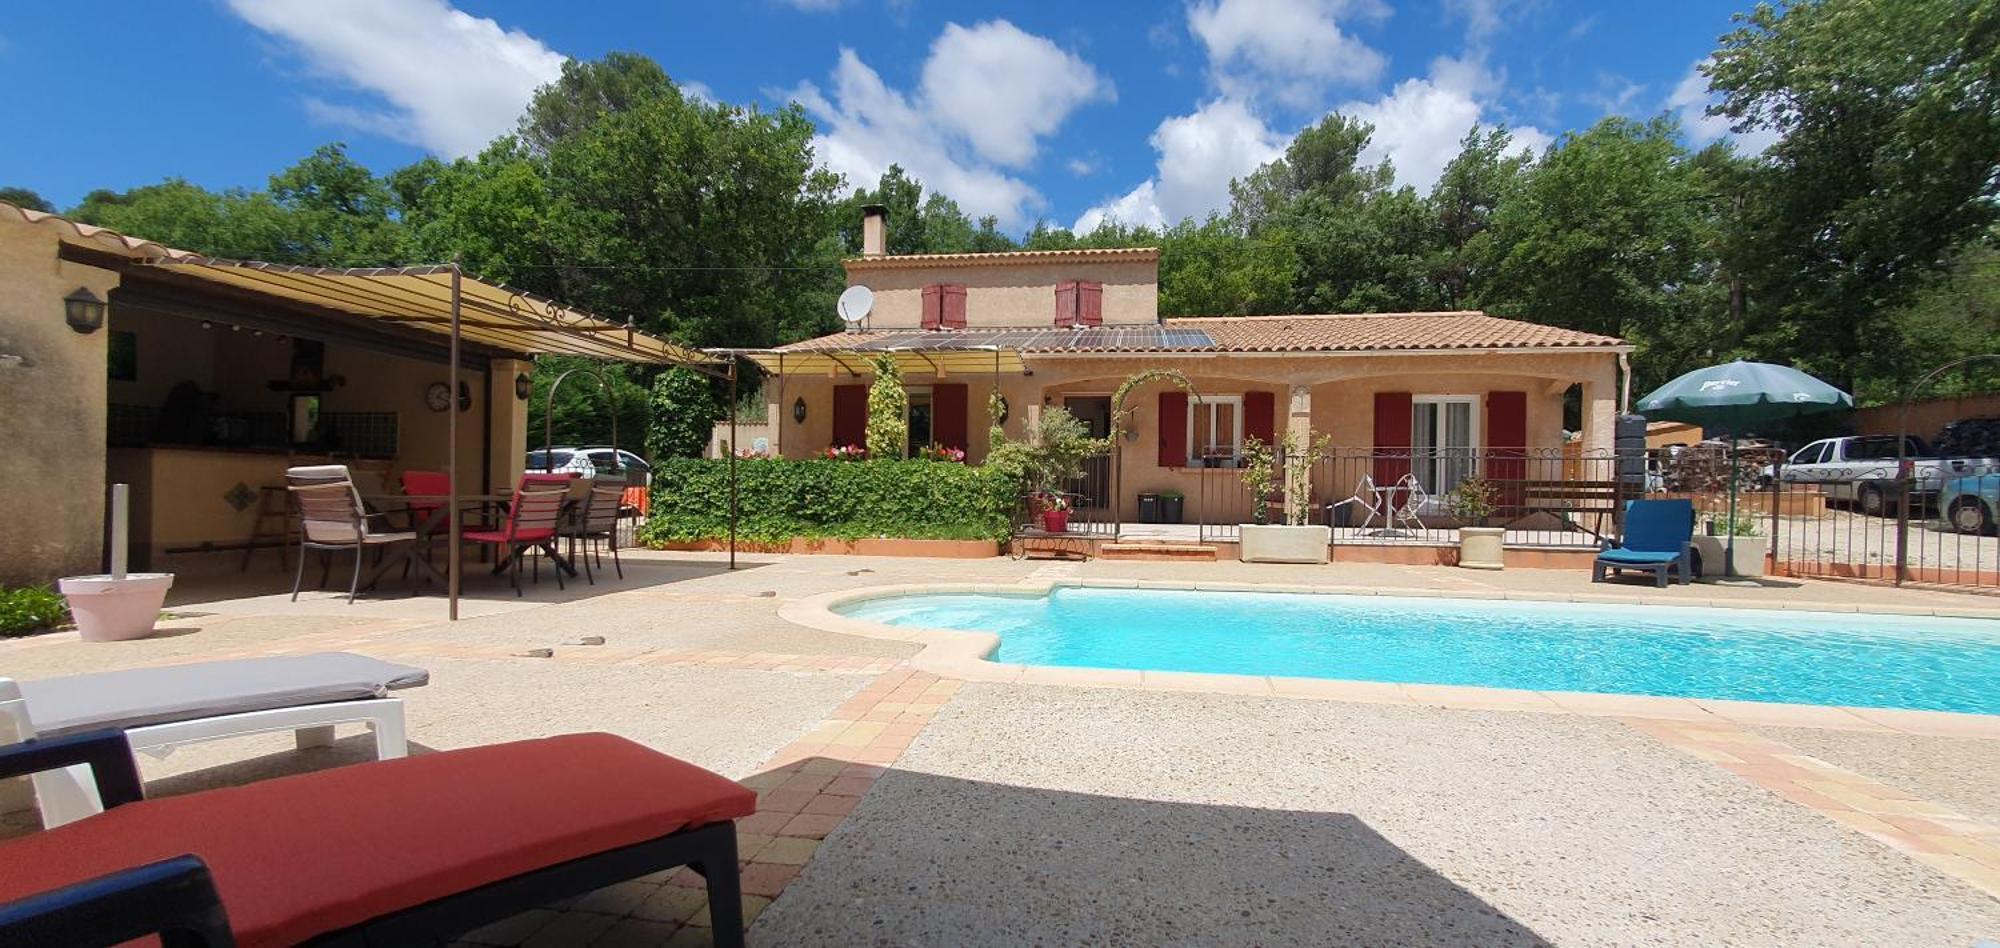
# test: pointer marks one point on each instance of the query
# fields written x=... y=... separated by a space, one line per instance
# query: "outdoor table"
x=436 y=520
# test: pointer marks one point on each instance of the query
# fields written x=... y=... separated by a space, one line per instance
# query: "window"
x=1444 y=440
x=1813 y=453
x=1215 y=431
x=919 y=420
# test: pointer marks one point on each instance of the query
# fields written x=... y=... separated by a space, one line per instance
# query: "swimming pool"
x=1925 y=663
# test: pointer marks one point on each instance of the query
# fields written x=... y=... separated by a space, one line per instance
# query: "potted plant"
x=1479 y=546
x=1055 y=511
x=1713 y=546
x=1272 y=477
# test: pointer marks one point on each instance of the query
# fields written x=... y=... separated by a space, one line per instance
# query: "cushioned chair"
x=1659 y=539
x=532 y=520
x=395 y=852
x=162 y=708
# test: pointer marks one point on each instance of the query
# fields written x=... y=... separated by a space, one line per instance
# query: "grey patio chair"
x=332 y=519
x=595 y=523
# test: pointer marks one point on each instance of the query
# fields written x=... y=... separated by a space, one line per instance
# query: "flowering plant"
x=1050 y=500
x=847 y=452
x=939 y=452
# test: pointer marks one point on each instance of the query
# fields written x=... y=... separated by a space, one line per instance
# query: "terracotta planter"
x=1055 y=521
x=1481 y=548
x=107 y=609
x=1274 y=543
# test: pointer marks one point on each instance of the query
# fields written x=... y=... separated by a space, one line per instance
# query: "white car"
x=592 y=461
x=1861 y=470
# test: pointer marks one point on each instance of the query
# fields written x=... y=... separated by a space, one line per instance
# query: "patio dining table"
x=436 y=519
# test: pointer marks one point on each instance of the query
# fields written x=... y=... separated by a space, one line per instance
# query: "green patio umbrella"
x=1737 y=397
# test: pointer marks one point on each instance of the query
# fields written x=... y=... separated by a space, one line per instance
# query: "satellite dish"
x=855 y=303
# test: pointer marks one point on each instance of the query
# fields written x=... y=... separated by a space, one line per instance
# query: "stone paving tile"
x=1928 y=832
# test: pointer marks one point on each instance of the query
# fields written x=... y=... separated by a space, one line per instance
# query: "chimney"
x=874 y=230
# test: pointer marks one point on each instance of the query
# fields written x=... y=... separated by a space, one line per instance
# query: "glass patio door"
x=1444 y=436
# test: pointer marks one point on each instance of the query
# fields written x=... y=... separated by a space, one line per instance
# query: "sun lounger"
x=394 y=852
x=1659 y=539
x=162 y=708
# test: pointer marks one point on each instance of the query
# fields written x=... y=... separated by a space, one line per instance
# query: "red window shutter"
x=1260 y=417
x=1173 y=429
x=1392 y=437
x=933 y=305
x=952 y=316
x=1066 y=303
x=1507 y=444
x=1089 y=303
x=850 y=415
x=948 y=419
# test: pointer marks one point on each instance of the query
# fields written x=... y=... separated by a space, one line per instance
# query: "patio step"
x=1155 y=550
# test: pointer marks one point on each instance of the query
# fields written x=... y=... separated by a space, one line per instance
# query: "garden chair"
x=411 y=851
x=1406 y=502
x=595 y=524
x=160 y=709
x=1365 y=497
x=332 y=519
x=532 y=520
x=428 y=484
x=1659 y=539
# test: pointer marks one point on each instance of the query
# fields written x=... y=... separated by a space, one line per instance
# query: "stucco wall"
x=52 y=413
x=1006 y=295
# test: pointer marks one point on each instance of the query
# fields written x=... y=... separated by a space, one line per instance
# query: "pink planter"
x=107 y=609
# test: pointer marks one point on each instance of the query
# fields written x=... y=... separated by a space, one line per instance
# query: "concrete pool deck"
x=903 y=807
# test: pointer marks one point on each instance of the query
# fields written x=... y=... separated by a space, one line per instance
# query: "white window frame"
x=1194 y=447
x=1438 y=461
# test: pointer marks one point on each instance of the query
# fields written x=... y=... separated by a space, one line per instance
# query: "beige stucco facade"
x=1012 y=294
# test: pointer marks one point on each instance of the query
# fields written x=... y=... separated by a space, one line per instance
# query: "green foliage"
x=682 y=411
x=1282 y=471
x=584 y=410
x=782 y=499
x=918 y=223
x=1053 y=455
x=1472 y=501
x=29 y=609
x=888 y=411
x=26 y=199
x=1121 y=414
x=1260 y=477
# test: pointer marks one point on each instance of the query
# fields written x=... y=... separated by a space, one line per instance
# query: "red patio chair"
x=425 y=484
x=397 y=852
x=532 y=519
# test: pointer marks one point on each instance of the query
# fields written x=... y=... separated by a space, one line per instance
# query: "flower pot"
x=108 y=609
x=1714 y=553
x=1481 y=548
x=1284 y=544
x=1055 y=521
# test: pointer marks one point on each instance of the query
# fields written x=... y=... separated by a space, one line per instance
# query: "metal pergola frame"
x=436 y=298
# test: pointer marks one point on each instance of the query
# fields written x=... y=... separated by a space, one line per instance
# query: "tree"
x=888 y=411
x=1888 y=159
x=584 y=411
x=338 y=213
x=588 y=91
x=682 y=413
x=1472 y=188
x=26 y=200
x=918 y=223
x=1209 y=269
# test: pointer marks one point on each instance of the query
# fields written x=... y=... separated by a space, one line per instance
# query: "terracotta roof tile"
x=1005 y=258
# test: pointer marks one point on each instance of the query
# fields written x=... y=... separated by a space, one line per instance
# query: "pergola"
x=442 y=300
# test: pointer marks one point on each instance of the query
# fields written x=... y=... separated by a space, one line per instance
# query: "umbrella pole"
x=1735 y=477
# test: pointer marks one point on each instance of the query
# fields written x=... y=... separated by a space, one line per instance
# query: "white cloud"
x=451 y=82
x=1690 y=101
x=698 y=91
x=1291 y=50
x=1199 y=155
x=1004 y=90
x=1419 y=124
x=1081 y=167
x=988 y=98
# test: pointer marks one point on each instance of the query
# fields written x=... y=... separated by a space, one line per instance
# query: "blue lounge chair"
x=1659 y=537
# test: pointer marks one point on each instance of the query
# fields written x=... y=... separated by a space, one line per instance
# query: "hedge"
x=31 y=609
x=823 y=499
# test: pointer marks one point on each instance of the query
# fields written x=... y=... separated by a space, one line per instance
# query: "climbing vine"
x=1121 y=415
x=888 y=411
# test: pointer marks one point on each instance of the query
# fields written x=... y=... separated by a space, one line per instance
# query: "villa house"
x=1424 y=393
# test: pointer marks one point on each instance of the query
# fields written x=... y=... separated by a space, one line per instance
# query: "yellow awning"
x=421 y=298
x=855 y=363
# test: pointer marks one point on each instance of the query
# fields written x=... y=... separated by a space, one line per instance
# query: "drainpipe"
x=1624 y=384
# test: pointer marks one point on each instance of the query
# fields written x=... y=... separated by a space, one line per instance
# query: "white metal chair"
x=1405 y=502
x=1365 y=497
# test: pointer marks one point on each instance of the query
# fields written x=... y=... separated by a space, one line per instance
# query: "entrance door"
x=1095 y=412
x=1444 y=440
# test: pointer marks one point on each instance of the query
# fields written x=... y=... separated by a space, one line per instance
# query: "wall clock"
x=438 y=397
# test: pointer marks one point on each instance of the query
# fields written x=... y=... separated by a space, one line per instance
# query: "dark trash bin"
x=1149 y=508
x=1170 y=508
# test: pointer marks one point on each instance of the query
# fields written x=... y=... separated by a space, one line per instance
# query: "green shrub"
x=822 y=499
x=31 y=609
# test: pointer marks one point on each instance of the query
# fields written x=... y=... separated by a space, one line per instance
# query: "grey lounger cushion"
x=142 y=696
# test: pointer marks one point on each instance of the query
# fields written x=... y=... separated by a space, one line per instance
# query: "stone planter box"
x=1284 y=544
x=1749 y=561
x=1481 y=548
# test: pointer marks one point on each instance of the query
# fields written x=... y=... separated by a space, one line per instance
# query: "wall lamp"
x=84 y=311
x=799 y=411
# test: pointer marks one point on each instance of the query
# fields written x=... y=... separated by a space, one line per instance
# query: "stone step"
x=1155 y=550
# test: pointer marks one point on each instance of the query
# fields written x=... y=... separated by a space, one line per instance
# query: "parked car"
x=1968 y=503
x=1861 y=470
x=593 y=461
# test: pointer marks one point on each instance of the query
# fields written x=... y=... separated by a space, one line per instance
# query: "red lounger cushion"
x=304 y=855
x=500 y=536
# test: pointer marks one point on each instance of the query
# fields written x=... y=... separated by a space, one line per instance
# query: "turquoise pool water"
x=1806 y=658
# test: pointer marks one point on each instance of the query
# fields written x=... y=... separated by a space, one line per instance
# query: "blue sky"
x=1066 y=112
